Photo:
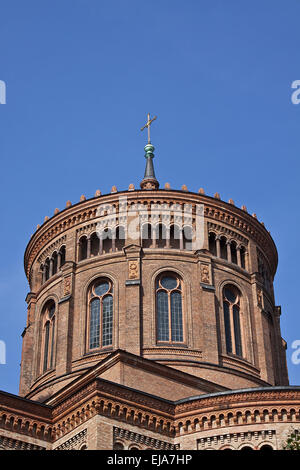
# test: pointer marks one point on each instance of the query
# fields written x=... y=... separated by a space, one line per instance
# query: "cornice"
x=124 y=404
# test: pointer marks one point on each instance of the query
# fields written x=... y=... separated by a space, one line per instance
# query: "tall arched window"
x=169 y=311
x=243 y=257
x=175 y=236
x=82 y=248
x=120 y=237
x=62 y=255
x=233 y=250
x=95 y=244
x=232 y=320
x=107 y=240
x=48 y=342
x=100 y=314
x=146 y=235
x=187 y=235
x=47 y=269
x=161 y=236
x=55 y=263
x=223 y=247
x=212 y=243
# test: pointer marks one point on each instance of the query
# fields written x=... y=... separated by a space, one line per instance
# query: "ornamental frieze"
x=124 y=435
x=83 y=214
x=238 y=399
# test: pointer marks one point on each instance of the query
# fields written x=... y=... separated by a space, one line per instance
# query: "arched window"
x=146 y=235
x=120 y=238
x=266 y=447
x=175 y=236
x=100 y=314
x=118 y=446
x=161 y=236
x=223 y=247
x=82 y=248
x=47 y=269
x=169 y=311
x=107 y=240
x=53 y=265
x=187 y=234
x=233 y=252
x=48 y=342
x=212 y=243
x=55 y=262
x=62 y=255
x=243 y=257
x=95 y=244
x=232 y=320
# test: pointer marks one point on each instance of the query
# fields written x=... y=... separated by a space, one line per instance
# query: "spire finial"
x=149 y=181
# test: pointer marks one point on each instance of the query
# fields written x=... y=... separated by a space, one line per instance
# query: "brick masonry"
x=135 y=364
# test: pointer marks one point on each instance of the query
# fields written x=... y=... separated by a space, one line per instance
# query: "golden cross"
x=148 y=124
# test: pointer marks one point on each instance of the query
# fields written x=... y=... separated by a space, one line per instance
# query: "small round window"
x=169 y=282
x=101 y=288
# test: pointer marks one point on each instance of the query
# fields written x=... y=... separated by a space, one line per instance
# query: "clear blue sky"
x=81 y=76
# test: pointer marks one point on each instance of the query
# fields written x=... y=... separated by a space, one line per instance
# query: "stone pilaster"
x=258 y=341
x=209 y=326
x=65 y=321
x=27 y=346
x=133 y=299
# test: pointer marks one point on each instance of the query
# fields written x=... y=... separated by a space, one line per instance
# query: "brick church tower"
x=151 y=325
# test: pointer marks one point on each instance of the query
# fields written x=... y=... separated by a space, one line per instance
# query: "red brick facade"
x=136 y=391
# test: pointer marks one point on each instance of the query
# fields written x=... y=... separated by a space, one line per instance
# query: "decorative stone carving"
x=67 y=286
x=133 y=269
x=205 y=277
x=149 y=184
x=259 y=297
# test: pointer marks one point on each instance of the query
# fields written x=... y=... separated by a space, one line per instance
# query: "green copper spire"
x=149 y=181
